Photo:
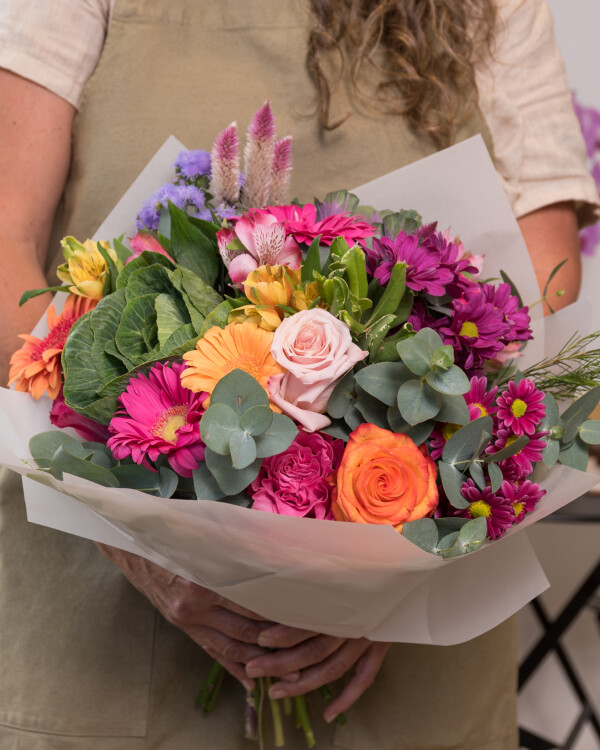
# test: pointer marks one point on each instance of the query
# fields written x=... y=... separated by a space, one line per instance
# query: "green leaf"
x=205 y=485
x=416 y=355
x=341 y=396
x=312 y=262
x=508 y=451
x=422 y=532
x=470 y=538
x=431 y=337
x=218 y=317
x=550 y=453
x=277 y=438
x=137 y=477
x=112 y=272
x=82 y=381
x=396 y=421
x=454 y=411
x=578 y=412
x=553 y=273
x=352 y=417
x=420 y=432
x=513 y=289
x=589 y=432
x=496 y=478
x=242 y=448
x=338 y=429
x=256 y=420
x=168 y=482
x=44 y=445
x=417 y=401
x=382 y=380
x=372 y=410
x=208 y=228
x=240 y=391
x=468 y=442
x=576 y=455
x=477 y=475
x=442 y=357
x=451 y=382
x=204 y=298
x=219 y=422
x=392 y=296
x=144 y=260
x=36 y=292
x=401 y=221
x=123 y=253
x=452 y=481
x=191 y=248
x=70 y=463
x=153 y=279
x=169 y=317
x=137 y=331
x=231 y=480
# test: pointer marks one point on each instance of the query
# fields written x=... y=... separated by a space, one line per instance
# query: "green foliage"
x=239 y=430
x=446 y=537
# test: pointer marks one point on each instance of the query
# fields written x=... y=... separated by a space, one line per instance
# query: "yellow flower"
x=221 y=350
x=270 y=289
x=85 y=268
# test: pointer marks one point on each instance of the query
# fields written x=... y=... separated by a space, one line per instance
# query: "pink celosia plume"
x=282 y=171
x=258 y=158
x=225 y=166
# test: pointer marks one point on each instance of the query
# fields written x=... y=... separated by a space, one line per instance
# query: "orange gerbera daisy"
x=237 y=346
x=35 y=367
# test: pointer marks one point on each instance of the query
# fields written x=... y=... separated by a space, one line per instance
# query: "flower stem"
x=210 y=684
x=340 y=719
x=303 y=721
x=210 y=703
x=251 y=719
x=259 y=698
x=287 y=706
x=276 y=714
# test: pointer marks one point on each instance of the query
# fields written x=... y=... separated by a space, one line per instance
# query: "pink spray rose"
x=294 y=483
x=63 y=416
x=316 y=349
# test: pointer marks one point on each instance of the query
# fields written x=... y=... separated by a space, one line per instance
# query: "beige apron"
x=86 y=664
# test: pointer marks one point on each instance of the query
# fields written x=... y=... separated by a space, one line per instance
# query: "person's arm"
x=551 y=236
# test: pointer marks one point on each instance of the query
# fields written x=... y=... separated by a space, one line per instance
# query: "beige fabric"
x=434 y=698
x=525 y=98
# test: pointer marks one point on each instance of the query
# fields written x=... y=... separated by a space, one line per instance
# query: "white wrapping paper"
x=339 y=578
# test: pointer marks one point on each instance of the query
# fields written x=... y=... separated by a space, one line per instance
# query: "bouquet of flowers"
x=327 y=361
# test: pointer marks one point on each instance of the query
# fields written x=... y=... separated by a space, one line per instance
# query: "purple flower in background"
x=192 y=165
x=186 y=197
x=423 y=271
x=589 y=119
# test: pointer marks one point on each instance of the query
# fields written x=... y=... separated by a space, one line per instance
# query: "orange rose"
x=384 y=478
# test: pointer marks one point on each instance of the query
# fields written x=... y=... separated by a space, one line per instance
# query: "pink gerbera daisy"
x=159 y=417
x=520 y=407
x=497 y=510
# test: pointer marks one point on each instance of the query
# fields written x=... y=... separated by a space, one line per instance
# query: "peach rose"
x=316 y=350
x=384 y=478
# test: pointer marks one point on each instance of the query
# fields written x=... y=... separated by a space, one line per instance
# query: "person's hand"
x=225 y=631
x=308 y=660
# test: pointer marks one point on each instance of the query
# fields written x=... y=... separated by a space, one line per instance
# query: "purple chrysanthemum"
x=520 y=465
x=192 y=165
x=523 y=496
x=423 y=272
x=497 y=510
x=479 y=400
x=520 y=407
x=448 y=254
x=517 y=318
x=474 y=331
x=158 y=416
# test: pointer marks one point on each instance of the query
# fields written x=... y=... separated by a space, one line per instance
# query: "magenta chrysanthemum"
x=517 y=318
x=479 y=400
x=520 y=465
x=520 y=407
x=424 y=272
x=158 y=416
x=497 y=510
x=523 y=497
x=450 y=258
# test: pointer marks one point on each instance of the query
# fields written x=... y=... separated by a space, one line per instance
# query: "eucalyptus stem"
x=211 y=684
x=276 y=715
x=302 y=720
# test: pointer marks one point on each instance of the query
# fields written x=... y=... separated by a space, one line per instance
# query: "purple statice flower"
x=496 y=509
x=423 y=270
x=519 y=466
x=449 y=259
x=479 y=400
x=523 y=496
x=508 y=305
x=520 y=407
x=474 y=331
x=186 y=197
x=192 y=165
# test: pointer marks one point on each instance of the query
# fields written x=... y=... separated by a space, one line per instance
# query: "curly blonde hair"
x=423 y=53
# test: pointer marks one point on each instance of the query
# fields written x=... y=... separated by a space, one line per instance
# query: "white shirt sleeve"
x=525 y=97
x=55 y=43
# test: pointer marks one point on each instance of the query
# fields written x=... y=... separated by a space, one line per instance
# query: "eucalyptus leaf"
x=231 y=480
x=470 y=538
x=454 y=410
x=341 y=396
x=578 y=412
x=446 y=542
x=495 y=475
x=589 y=432
x=468 y=442
x=477 y=475
x=277 y=437
x=137 y=477
x=219 y=422
x=382 y=380
x=168 y=482
x=452 y=481
x=372 y=410
x=508 y=451
x=352 y=417
x=431 y=337
x=44 y=445
x=450 y=382
x=423 y=533
x=70 y=463
x=550 y=453
x=205 y=485
x=416 y=355
x=576 y=455
x=240 y=391
x=417 y=401
x=256 y=420
x=242 y=449
x=396 y=421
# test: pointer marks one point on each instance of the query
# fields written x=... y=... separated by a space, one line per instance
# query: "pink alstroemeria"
x=146 y=242
x=257 y=239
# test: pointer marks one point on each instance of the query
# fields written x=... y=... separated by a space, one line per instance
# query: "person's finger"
x=282 y=636
x=234 y=625
x=233 y=607
x=329 y=670
x=366 y=670
x=229 y=648
x=290 y=660
x=234 y=669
